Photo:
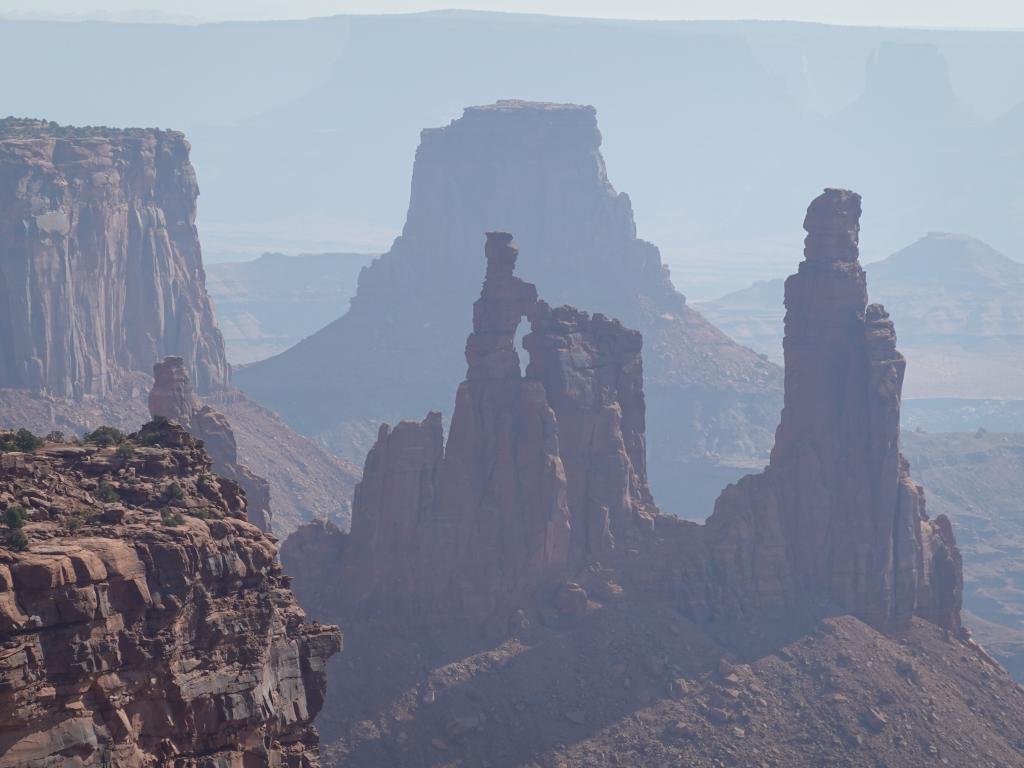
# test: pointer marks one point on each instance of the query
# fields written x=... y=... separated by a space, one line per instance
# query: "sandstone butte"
x=147 y=622
x=536 y=170
x=514 y=596
x=101 y=278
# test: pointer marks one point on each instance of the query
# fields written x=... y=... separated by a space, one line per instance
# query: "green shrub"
x=22 y=440
x=14 y=517
x=152 y=430
x=107 y=493
x=126 y=450
x=171 y=518
x=104 y=436
x=202 y=514
x=173 y=492
x=55 y=437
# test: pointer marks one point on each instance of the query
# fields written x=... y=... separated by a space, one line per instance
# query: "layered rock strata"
x=147 y=623
x=100 y=265
x=535 y=170
x=172 y=397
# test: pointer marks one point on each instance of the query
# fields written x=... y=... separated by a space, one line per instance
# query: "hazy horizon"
x=985 y=14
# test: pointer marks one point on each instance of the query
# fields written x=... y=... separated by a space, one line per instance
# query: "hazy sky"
x=926 y=13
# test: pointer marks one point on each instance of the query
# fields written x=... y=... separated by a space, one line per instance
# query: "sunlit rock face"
x=535 y=170
x=100 y=266
x=146 y=622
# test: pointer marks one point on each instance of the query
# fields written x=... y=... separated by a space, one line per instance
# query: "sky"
x=916 y=13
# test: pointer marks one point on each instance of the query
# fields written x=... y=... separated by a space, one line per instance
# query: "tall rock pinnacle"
x=542 y=473
x=851 y=520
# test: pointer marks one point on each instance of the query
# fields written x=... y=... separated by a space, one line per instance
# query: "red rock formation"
x=541 y=474
x=836 y=515
x=543 y=477
x=154 y=629
x=535 y=521
x=173 y=398
x=535 y=170
x=100 y=265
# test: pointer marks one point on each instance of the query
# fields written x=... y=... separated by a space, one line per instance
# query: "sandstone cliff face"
x=173 y=398
x=147 y=623
x=535 y=170
x=100 y=266
x=837 y=497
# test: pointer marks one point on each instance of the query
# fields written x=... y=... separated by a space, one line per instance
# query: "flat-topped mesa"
x=172 y=397
x=541 y=475
x=100 y=265
x=836 y=507
x=536 y=170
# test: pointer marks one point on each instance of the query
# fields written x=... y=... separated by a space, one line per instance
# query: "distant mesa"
x=535 y=170
x=115 y=208
x=101 y=278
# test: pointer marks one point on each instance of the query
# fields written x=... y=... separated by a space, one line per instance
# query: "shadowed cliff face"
x=536 y=170
x=100 y=266
x=172 y=397
x=147 y=623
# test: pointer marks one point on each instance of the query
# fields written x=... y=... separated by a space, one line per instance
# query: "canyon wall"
x=100 y=266
x=535 y=170
x=145 y=622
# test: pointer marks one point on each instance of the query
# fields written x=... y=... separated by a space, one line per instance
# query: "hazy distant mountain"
x=268 y=304
x=303 y=132
x=958 y=305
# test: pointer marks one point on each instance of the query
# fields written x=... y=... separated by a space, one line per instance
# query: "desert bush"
x=14 y=519
x=104 y=436
x=22 y=440
x=107 y=493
